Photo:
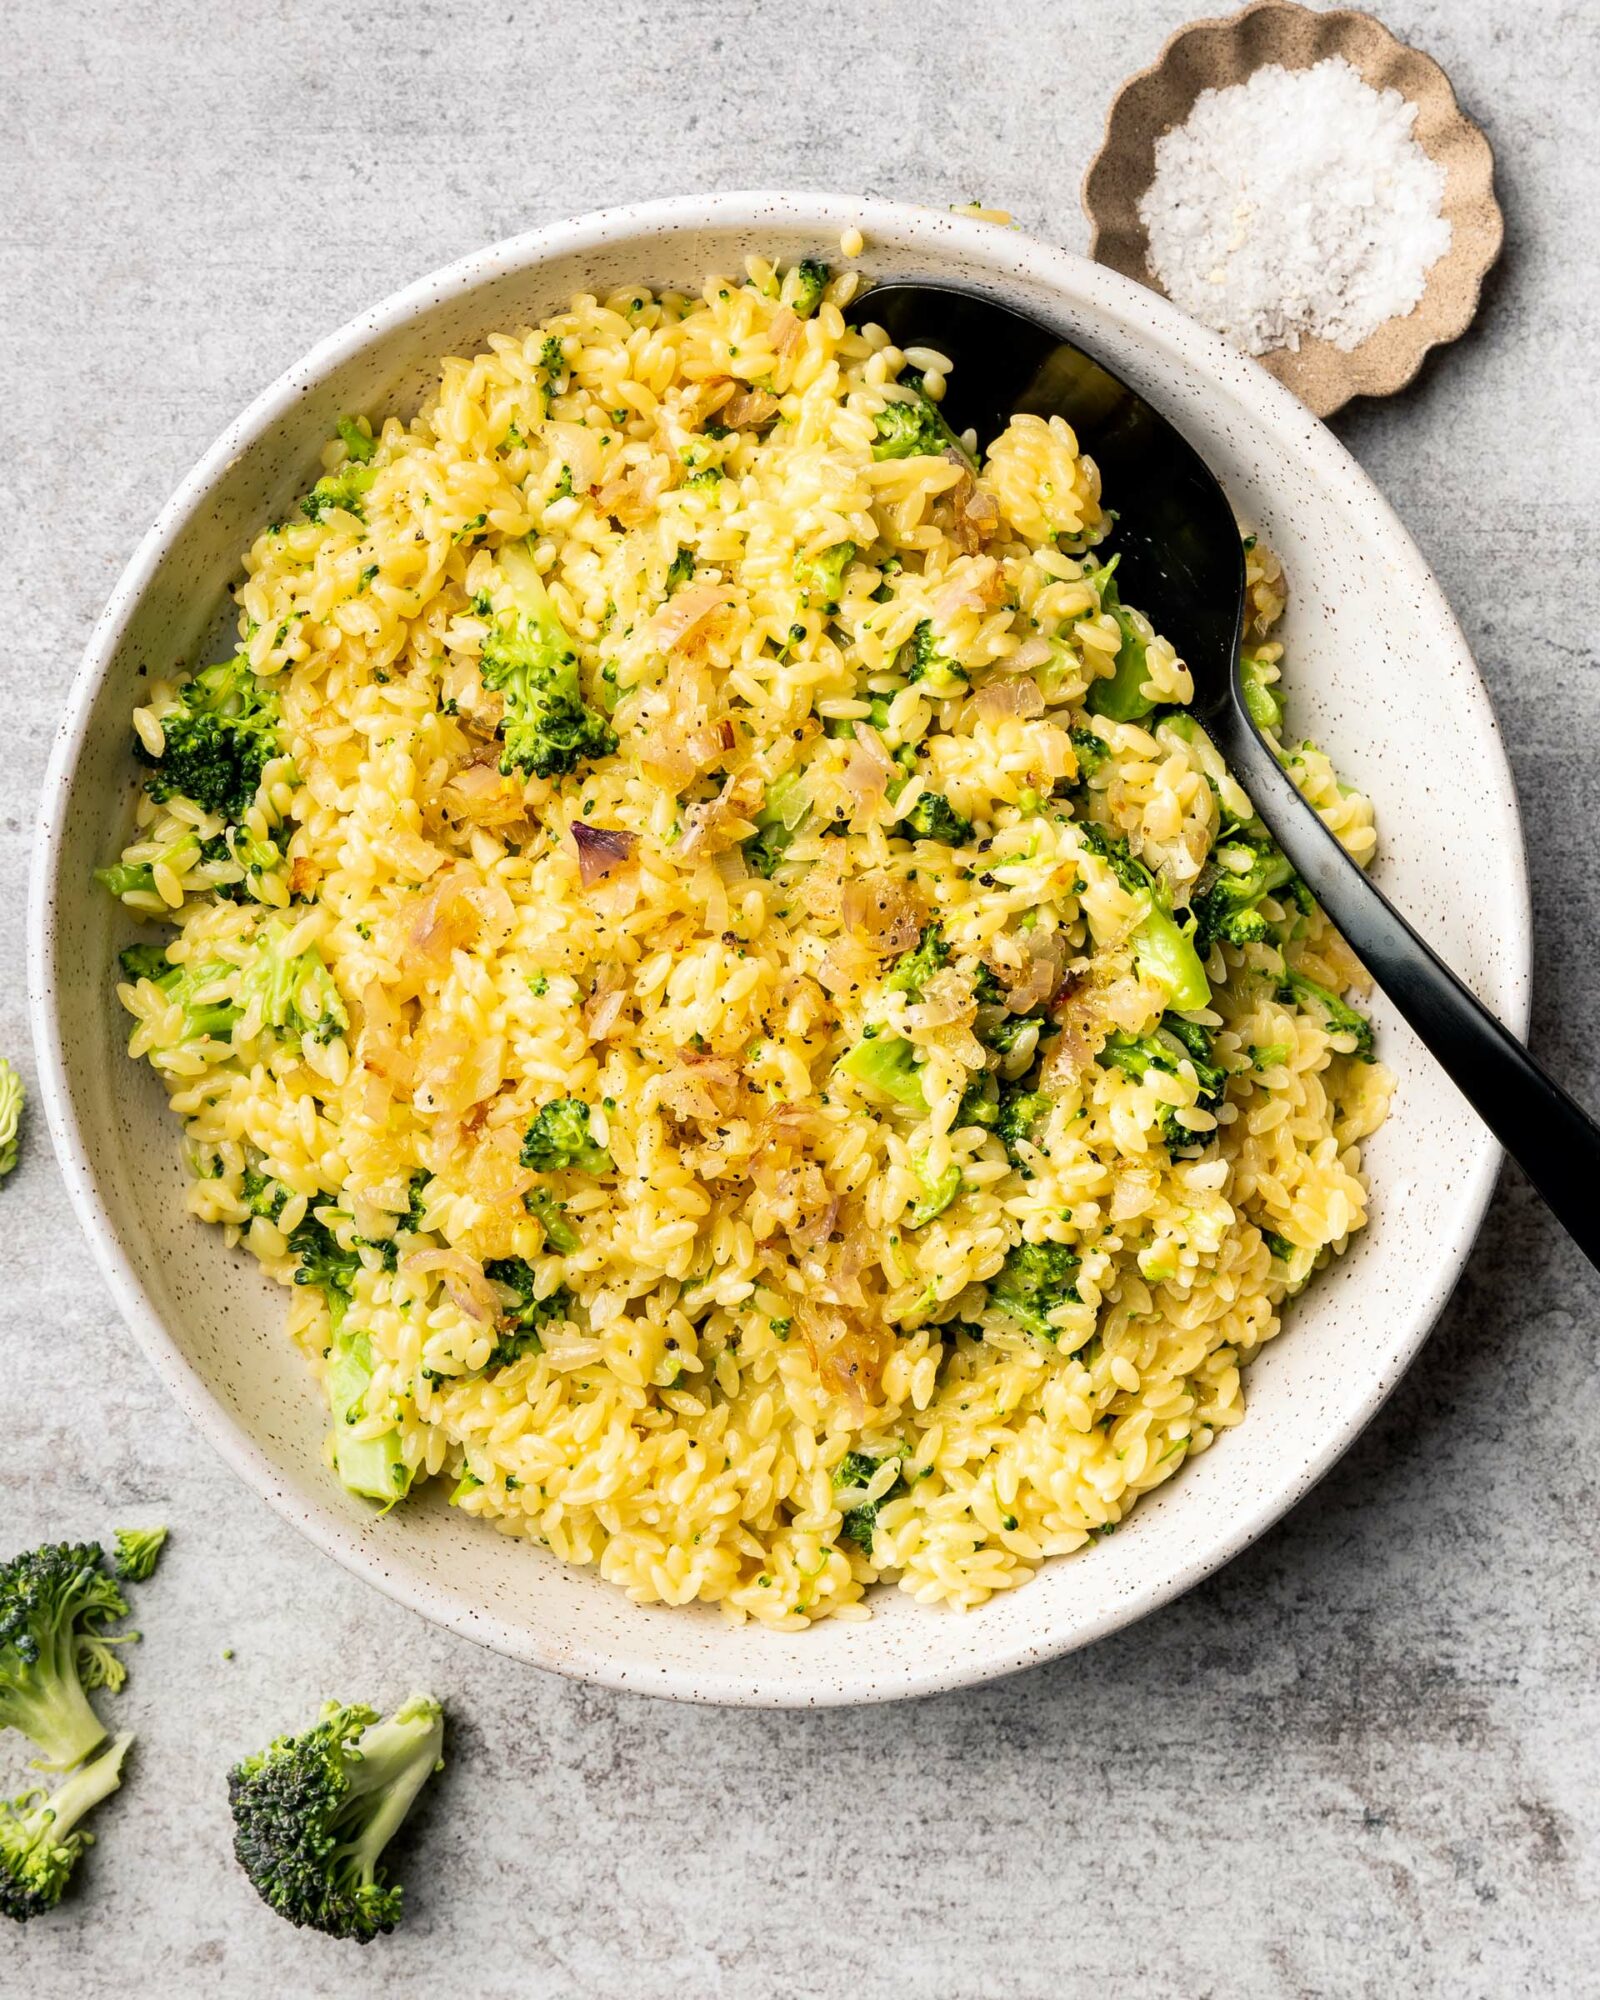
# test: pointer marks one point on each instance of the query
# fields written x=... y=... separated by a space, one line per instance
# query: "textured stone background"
x=1362 y=1760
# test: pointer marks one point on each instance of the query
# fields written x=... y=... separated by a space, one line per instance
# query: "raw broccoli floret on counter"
x=912 y=970
x=55 y=1603
x=821 y=577
x=921 y=661
x=12 y=1098
x=313 y=1813
x=138 y=1552
x=1173 y=1044
x=1242 y=869
x=529 y=657
x=888 y=1065
x=853 y=1475
x=559 y=1137
x=915 y=429
x=1035 y=1279
x=1163 y=947
x=934 y=818
x=341 y=492
x=40 y=1844
x=1121 y=696
x=804 y=286
x=217 y=740
x=783 y=813
x=1338 y=1016
x=524 y=1315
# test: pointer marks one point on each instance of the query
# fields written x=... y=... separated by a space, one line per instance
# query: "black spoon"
x=1183 y=566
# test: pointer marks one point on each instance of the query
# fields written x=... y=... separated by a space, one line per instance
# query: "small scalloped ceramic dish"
x=1216 y=54
x=1378 y=672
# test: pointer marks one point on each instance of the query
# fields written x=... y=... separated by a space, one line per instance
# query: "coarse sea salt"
x=1296 y=203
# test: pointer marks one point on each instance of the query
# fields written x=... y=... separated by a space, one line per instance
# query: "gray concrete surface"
x=1362 y=1760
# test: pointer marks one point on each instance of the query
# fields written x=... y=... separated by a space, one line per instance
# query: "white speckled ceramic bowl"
x=1379 y=672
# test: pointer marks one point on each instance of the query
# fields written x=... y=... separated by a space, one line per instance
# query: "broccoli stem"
x=371 y=1468
x=396 y=1758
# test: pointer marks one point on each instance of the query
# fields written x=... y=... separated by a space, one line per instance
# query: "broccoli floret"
x=322 y=1262
x=1163 y=947
x=1021 y=1113
x=525 y=1314
x=1004 y=1034
x=888 y=1065
x=193 y=987
x=356 y=441
x=1091 y=750
x=255 y=857
x=530 y=659
x=138 y=1552
x=1260 y=697
x=39 y=1846
x=12 y=1096
x=934 y=818
x=297 y=995
x=680 y=570
x=559 y=1234
x=783 y=813
x=372 y=1468
x=1240 y=872
x=980 y=1103
x=1175 y=1043
x=1035 y=1279
x=551 y=358
x=261 y=1195
x=1121 y=697
x=920 y=660
x=54 y=1605
x=939 y=1191
x=313 y=1814
x=915 y=429
x=853 y=1474
x=821 y=577
x=559 y=1137
x=217 y=740
x=1338 y=1016
x=912 y=970
x=129 y=878
x=806 y=283
x=341 y=492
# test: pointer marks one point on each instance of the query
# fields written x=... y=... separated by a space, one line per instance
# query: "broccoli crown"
x=322 y=1262
x=559 y=1234
x=194 y=987
x=1175 y=1043
x=1034 y=1280
x=298 y=996
x=261 y=1195
x=559 y=1137
x=1338 y=1016
x=821 y=577
x=12 y=1096
x=312 y=1814
x=854 y=1473
x=912 y=970
x=342 y=492
x=1091 y=750
x=807 y=281
x=1164 y=948
x=54 y=1605
x=1021 y=1113
x=980 y=1103
x=529 y=657
x=1242 y=869
x=887 y=1064
x=138 y=1552
x=915 y=429
x=920 y=659
x=39 y=1847
x=934 y=818
x=217 y=741
x=525 y=1315
x=680 y=570
x=1004 y=1034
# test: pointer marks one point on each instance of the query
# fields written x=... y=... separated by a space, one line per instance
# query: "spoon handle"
x=1555 y=1143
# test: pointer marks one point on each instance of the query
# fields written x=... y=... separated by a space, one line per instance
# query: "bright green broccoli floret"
x=680 y=570
x=888 y=1065
x=262 y=1196
x=54 y=1605
x=206 y=1010
x=783 y=813
x=356 y=441
x=341 y=492
x=912 y=970
x=854 y=1474
x=938 y=1193
x=559 y=1137
x=255 y=857
x=1260 y=696
x=920 y=660
x=297 y=995
x=372 y=1468
x=807 y=282
x=1169 y=1048
x=1121 y=697
x=980 y=1103
x=12 y=1096
x=138 y=1552
x=1004 y=1034
x=821 y=577
x=525 y=1315
x=1163 y=947
x=313 y=1814
x=1022 y=1112
x=934 y=818
x=39 y=1847
x=915 y=429
x=559 y=1234
x=1034 y=1280
x=1091 y=750
x=1338 y=1016
x=322 y=1262
x=217 y=740
x=1241 y=870
x=530 y=659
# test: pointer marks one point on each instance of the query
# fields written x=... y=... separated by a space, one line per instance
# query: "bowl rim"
x=1197 y=349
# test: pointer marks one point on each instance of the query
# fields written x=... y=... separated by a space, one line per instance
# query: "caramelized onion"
x=1016 y=697
x=690 y=607
x=462 y=1277
x=749 y=409
x=600 y=849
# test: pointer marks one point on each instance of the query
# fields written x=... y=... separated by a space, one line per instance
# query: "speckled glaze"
x=1379 y=673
